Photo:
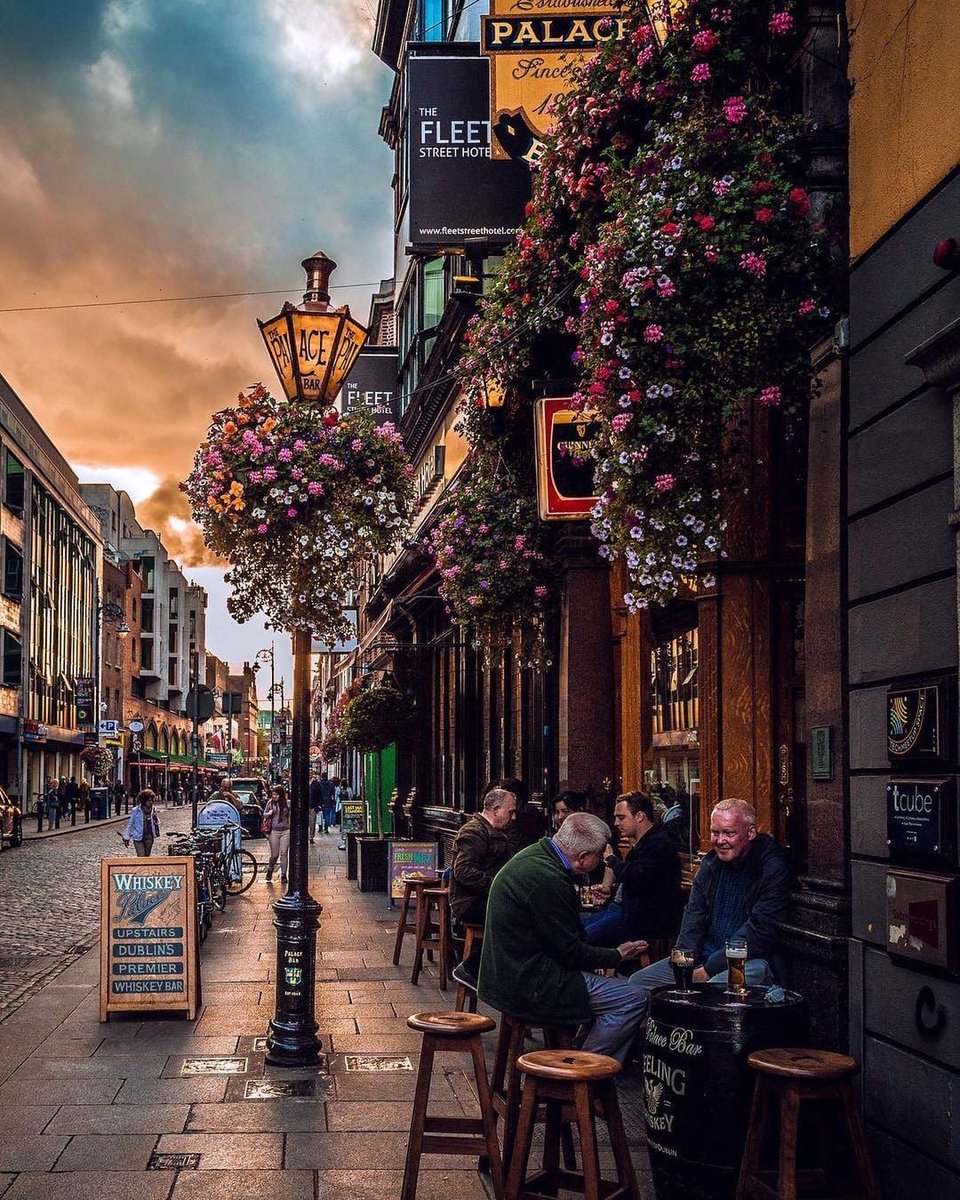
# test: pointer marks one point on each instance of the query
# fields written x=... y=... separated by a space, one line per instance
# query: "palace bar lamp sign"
x=313 y=347
x=565 y=465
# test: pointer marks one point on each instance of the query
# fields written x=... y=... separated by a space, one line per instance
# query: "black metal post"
x=292 y=1040
x=195 y=744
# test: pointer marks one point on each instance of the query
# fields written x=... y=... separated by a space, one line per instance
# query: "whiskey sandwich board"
x=149 y=952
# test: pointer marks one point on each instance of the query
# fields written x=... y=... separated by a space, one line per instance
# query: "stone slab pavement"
x=112 y=1112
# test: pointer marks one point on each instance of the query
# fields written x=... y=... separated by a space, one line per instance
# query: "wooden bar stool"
x=412 y=887
x=585 y=1081
x=785 y=1078
x=467 y=997
x=430 y=936
x=505 y=1078
x=459 y=1032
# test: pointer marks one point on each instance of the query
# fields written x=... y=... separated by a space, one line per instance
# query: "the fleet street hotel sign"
x=457 y=190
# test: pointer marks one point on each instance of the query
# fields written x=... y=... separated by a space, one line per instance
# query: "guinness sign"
x=565 y=465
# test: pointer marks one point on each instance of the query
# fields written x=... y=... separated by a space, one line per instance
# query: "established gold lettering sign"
x=149 y=959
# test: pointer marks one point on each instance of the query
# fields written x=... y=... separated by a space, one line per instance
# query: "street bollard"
x=73 y=816
x=39 y=816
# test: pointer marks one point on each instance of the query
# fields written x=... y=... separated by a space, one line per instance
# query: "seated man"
x=648 y=900
x=480 y=849
x=536 y=963
x=741 y=890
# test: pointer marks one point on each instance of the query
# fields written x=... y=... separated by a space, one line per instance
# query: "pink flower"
x=665 y=483
x=519 y=542
x=770 y=397
x=780 y=24
x=356 y=445
x=720 y=187
x=734 y=110
x=299 y=445
x=711 y=254
x=754 y=264
x=763 y=215
x=314 y=488
x=285 y=455
x=621 y=421
x=291 y=512
x=261 y=528
x=700 y=73
x=704 y=41
x=540 y=592
x=804 y=308
x=653 y=333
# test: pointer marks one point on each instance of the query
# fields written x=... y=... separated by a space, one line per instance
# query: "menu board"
x=149 y=954
x=410 y=858
x=353 y=816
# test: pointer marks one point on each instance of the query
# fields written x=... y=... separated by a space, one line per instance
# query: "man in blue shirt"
x=742 y=889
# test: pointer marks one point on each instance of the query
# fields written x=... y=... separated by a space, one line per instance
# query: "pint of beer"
x=737 y=967
x=682 y=962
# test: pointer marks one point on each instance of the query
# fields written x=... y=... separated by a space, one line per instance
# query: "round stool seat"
x=451 y=1024
x=570 y=1066
x=810 y=1065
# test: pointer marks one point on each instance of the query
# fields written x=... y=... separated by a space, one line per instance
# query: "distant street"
x=50 y=897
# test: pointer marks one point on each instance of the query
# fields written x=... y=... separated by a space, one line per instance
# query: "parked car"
x=251 y=810
x=11 y=822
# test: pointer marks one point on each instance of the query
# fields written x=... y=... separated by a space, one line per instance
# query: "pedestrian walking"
x=315 y=797
x=84 y=800
x=71 y=795
x=277 y=813
x=119 y=791
x=52 y=803
x=143 y=827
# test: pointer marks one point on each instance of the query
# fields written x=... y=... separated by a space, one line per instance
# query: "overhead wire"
x=174 y=299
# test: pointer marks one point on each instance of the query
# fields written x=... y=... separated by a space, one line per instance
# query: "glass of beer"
x=683 y=964
x=737 y=966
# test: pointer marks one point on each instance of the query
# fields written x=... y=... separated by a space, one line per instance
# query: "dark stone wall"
x=901 y=626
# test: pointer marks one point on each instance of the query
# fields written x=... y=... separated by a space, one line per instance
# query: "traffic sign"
x=200 y=704
x=135 y=726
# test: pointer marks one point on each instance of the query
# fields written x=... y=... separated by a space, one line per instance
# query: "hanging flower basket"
x=293 y=500
x=490 y=551
x=375 y=718
x=671 y=233
x=97 y=759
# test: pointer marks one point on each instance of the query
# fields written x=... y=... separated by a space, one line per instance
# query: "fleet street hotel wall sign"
x=534 y=50
x=149 y=956
x=456 y=189
x=565 y=464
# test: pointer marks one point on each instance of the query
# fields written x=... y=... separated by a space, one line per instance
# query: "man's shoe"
x=269 y=874
x=462 y=974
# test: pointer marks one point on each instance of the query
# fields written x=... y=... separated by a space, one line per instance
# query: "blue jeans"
x=660 y=974
x=605 y=928
x=618 y=1008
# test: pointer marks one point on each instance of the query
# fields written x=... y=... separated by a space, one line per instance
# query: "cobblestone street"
x=49 y=900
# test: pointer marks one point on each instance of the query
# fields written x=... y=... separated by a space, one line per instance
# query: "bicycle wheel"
x=241 y=871
x=218 y=889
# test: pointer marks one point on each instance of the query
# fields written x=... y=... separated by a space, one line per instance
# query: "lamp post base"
x=292 y=1040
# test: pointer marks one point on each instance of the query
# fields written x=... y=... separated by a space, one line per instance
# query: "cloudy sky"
x=156 y=149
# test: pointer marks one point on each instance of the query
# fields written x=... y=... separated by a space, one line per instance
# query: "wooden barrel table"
x=697 y=1086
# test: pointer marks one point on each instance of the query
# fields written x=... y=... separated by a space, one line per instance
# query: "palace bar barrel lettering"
x=697 y=1086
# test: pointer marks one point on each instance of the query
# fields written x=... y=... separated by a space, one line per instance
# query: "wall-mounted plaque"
x=149 y=958
x=821 y=752
x=922 y=918
x=915 y=730
x=922 y=819
x=564 y=442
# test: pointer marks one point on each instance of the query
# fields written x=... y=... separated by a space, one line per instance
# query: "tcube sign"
x=456 y=189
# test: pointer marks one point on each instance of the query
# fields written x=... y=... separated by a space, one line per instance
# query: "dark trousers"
x=474 y=914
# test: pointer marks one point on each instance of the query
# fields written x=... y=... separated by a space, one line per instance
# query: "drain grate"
x=173 y=1162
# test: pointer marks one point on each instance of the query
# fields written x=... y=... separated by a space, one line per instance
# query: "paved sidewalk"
x=101 y=1111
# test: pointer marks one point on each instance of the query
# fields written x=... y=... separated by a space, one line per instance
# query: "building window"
x=12 y=570
x=13 y=482
x=12 y=659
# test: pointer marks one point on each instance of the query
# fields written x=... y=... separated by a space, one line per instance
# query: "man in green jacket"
x=536 y=963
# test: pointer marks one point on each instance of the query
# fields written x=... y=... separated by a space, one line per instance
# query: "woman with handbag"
x=276 y=825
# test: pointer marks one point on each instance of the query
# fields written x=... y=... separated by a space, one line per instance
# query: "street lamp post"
x=312 y=348
x=263 y=655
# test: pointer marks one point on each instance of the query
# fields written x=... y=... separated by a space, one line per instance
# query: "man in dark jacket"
x=648 y=901
x=315 y=798
x=536 y=963
x=480 y=849
x=741 y=890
